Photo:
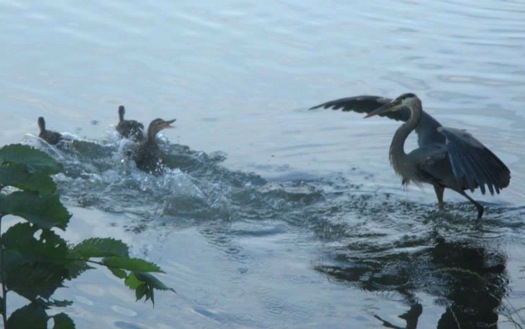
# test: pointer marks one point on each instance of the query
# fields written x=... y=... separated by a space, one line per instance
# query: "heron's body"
x=446 y=157
x=148 y=155
x=129 y=128
x=52 y=137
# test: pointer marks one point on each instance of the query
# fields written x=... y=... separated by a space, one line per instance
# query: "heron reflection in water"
x=446 y=157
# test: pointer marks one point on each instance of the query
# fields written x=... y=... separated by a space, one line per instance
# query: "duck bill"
x=169 y=122
x=390 y=107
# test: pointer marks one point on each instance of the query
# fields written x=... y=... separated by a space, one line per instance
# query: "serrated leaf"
x=34 y=267
x=100 y=247
x=34 y=279
x=121 y=274
x=46 y=211
x=140 y=287
x=141 y=290
x=19 y=177
x=145 y=285
x=63 y=321
x=36 y=161
x=76 y=267
x=132 y=282
x=131 y=264
x=49 y=246
x=152 y=281
x=18 y=235
x=30 y=316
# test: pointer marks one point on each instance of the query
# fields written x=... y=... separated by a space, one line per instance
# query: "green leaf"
x=76 y=267
x=121 y=274
x=100 y=247
x=62 y=321
x=130 y=264
x=19 y=235
x=36 y=161
x=141 y=290
x=46 y=211
x=132 y=282
x=19 y=177
x=26 y=243
x=33 y=278
x=21 y=238
x=145 y=285
x=35 y=262
x=152 y=281
x=30 y=316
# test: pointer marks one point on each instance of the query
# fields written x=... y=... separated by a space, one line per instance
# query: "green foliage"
x=34 y=161
x=18 y=176
x=62 y=321
x=147 y=283
x=130 y=264
x=30 y=316
x=45 y=211
x=35 y=260
x=28 y=260
x=97 y=247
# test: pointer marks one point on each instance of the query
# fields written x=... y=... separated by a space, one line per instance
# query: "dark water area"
x=368 y=240
x=269 y=215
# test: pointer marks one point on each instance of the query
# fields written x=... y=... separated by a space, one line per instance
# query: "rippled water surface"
x=270 y=215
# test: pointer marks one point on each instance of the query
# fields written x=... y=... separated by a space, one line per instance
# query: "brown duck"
x=52 y=137
x=129 y=128
x=148 y=155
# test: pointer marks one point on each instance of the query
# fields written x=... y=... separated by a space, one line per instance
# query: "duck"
x=52 y=137
x=148 y=155
x=129 y=128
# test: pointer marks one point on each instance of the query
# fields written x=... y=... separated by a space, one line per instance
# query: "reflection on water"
x=467 y=278
x=238 y=76
x=411 y=317
x=379 y=246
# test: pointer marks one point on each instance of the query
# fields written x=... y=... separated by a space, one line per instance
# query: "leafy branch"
x=35 y=260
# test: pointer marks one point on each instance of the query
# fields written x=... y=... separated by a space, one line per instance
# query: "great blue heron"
x=446 y=157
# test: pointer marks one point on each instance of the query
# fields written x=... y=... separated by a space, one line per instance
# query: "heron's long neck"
x=398 y=157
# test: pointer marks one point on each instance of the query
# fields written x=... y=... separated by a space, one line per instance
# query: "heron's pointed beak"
x=390 y=107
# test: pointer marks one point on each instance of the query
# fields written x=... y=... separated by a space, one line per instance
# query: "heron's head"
x=157 y=125
x=406 y=100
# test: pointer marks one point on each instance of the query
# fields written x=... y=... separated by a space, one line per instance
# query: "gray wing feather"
x=426 y=130
x=474 y=164
x=364 y=104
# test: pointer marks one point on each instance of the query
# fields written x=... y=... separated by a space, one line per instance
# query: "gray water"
x=273 y=216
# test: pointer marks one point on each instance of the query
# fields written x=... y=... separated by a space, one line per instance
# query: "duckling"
x=52 y=137
x=148 y=156
x=129 y=128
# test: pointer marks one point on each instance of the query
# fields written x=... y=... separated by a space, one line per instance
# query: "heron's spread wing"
x=473 y=163
x=426 y=130
x=364 y=104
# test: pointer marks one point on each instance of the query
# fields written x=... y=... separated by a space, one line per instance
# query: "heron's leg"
x=478 y=206
x=439 y=194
